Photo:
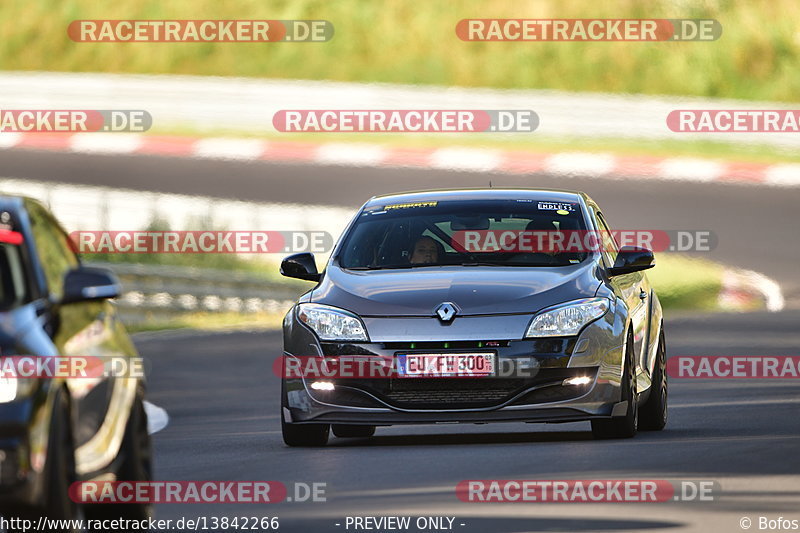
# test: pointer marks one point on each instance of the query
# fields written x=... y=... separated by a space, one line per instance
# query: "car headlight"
x=332 y=323
x=567 y=319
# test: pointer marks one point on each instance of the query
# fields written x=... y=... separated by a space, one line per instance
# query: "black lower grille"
x=442 y=393
x=451 y=397
x=458 y=393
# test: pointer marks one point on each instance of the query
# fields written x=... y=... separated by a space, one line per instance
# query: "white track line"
x=580 y=164
x=471 y=159
x=224 y=148
x=690 y=169
x=367 y=155
x=9 y=139
x=105 y=143
x=786 y=175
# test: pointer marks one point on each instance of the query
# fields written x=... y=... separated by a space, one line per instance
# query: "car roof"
x=545 y=195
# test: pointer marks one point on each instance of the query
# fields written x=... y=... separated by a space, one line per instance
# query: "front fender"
x=602 y=344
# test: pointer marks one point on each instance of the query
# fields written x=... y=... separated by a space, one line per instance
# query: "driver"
x=426 y=251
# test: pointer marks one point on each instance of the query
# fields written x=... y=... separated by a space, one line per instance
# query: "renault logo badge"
x=446 y=311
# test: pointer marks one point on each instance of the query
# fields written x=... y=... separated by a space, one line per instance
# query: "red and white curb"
x=578 y=164
x=747 y=290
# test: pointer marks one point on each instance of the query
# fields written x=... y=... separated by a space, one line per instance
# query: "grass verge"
x=687 y=283
x=407 y=41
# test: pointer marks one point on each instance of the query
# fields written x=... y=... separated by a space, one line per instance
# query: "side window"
x=610 y=247
x=53 y=248
x=13 y=277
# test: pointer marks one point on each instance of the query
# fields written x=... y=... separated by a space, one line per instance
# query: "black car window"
x=610 y=247
x=53 y=248
x=13 y=281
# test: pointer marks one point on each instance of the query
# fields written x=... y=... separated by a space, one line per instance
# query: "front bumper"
x=302 y=407
x=537 y=396
x=539 y=393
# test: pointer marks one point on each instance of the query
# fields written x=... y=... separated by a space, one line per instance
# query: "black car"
x=474 y=334
x=56 y=429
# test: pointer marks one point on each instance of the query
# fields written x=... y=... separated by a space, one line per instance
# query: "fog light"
x=322 y=385
x=578 y=380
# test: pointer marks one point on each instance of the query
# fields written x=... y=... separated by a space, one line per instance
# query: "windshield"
x=469 y=233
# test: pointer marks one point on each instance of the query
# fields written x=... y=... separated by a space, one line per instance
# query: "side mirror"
x=632 y=259
x=301 y=266
x=85 y=283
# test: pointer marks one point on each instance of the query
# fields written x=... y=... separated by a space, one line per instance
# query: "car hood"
x=474 y=290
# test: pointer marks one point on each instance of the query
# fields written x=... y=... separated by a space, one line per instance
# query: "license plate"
x=442 y=365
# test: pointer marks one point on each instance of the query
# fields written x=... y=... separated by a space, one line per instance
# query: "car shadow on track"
x=434 y=439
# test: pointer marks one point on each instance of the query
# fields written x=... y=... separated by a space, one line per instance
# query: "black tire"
x=351 y=431
x=302 y=435
x=623 y=427
x=653 y=414
x=305 y=435
x=137 y=465
x=60 y=464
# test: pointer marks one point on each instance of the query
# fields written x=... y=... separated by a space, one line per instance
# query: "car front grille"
x=443 y=393
x=455 y=392
x=451 y=398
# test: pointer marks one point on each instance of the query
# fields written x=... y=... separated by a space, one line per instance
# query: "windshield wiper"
x=465 y=264
x=507 y=264
x=386 y=267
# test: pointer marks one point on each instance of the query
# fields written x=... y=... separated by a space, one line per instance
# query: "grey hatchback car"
x=474 y=306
